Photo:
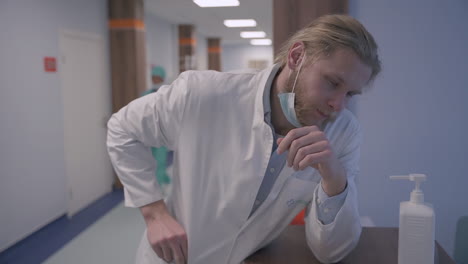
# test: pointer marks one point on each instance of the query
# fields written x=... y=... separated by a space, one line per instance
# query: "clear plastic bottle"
x=417 y=221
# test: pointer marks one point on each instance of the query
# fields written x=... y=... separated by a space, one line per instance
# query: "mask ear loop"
x=297 y=75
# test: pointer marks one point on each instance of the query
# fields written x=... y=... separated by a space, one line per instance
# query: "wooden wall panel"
x=128 y=56
x=127 y=53
x=214 y=54
x=292 y=15
x=187 y=44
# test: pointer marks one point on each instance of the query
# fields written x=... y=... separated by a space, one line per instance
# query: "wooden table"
x=377 y=245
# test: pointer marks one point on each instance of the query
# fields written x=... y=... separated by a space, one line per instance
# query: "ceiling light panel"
x=260 y=42
x=240 y=23
x=253 y=34
x=216 y=3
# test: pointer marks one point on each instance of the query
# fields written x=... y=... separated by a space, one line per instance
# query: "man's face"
x=324 y=87
x=156 y=79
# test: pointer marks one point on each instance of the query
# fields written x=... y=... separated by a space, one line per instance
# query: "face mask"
x=287 y=101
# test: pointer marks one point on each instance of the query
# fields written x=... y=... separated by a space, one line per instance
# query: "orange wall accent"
x=214 y=49
x=126 y=23
x=187 y=41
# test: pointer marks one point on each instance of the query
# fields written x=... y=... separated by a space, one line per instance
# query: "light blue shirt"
x=327 y=206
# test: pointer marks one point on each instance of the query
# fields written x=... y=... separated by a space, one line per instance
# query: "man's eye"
x=350 y=94
x=332 y=83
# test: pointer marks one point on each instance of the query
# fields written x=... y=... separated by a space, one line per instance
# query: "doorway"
x=86 y=95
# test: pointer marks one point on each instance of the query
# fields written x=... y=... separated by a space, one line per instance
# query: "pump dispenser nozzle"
x=417 y=196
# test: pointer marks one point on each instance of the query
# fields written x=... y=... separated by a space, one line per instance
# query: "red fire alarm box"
x=50 y=64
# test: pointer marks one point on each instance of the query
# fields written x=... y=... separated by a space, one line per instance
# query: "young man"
x=252 y=150
x=158 y=74
x=161 y=154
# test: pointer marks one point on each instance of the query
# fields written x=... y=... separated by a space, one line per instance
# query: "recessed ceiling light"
x=253 y=34
x=240 y=23
x=260 y=42
x=216 y=3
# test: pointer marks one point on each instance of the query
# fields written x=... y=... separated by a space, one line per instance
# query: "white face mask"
x=287 y=100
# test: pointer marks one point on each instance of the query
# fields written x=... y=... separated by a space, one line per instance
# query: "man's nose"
x=337 y=102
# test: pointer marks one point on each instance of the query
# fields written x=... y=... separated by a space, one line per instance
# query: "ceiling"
x=209 y=21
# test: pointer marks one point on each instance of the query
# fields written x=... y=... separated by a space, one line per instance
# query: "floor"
x=50 y=243
x=114 y=238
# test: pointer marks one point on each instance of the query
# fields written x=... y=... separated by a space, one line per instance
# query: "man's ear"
x=296 y=55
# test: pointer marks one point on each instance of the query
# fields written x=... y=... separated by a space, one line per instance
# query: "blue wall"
x=415 y=116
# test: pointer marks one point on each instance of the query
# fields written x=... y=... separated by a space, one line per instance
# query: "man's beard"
x=302 y=111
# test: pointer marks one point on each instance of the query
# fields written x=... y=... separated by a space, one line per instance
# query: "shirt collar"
x=267 y=92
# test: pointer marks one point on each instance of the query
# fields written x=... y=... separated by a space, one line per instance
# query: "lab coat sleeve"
x=153 y=120
x=333 y=241
x=328 y=206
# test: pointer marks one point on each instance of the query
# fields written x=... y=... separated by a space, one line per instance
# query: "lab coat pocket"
x=145 y=253
x=308 y=174
x=297 y=188
x=295 y=194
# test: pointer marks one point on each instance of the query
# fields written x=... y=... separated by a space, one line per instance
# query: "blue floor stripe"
x=40 y=245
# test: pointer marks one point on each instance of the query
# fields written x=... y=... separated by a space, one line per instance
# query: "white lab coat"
x=215 y=123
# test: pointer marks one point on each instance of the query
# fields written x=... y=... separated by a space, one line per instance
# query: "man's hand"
x=308 y=146
x=165 y=235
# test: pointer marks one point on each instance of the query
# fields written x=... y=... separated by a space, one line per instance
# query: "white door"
x=86 y=96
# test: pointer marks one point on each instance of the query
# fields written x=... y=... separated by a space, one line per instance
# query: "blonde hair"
x=330 y=32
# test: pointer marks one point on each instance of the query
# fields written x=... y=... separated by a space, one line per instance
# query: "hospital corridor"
x=233 y=131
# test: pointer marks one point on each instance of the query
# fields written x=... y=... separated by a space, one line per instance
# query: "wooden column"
x=127 y=52
x=128 y=56
x=292 y=15
x=186 y=47
x=214 y=54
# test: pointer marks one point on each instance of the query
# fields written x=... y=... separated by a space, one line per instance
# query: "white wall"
x=163 y=48
x=32 y=169
x=161 y=45
x=201 y=51
x=415 y=118
x=235 y=57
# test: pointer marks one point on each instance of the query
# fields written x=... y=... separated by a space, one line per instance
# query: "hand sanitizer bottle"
x=417 y=222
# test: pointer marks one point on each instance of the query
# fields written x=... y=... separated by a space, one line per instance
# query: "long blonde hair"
x=328 y=33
